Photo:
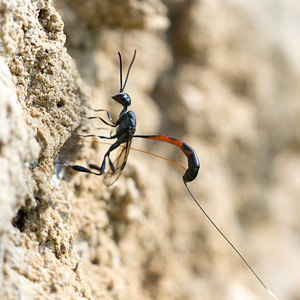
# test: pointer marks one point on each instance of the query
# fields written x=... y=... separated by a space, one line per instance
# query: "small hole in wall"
x=20 y=219
x=60 y=104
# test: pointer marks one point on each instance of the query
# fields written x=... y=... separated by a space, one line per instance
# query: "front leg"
x=112 y=124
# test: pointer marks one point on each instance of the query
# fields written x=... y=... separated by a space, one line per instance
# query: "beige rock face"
x=223 y=76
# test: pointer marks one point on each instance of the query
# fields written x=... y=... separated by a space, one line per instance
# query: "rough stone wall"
x=223 y=76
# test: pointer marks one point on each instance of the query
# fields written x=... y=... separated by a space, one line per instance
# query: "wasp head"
x=123 y=99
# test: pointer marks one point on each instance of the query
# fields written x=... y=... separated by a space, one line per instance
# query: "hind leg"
x=121 y=138
x=115 y=145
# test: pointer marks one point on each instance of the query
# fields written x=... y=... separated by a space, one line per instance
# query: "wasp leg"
x=79 y=168
x=112 y=124
x=99 y=136
x=120 y=139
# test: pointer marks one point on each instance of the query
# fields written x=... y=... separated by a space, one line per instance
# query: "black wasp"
x=125 y=132
x=125 y=129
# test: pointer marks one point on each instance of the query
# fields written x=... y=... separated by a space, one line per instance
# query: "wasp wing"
x=119 y=164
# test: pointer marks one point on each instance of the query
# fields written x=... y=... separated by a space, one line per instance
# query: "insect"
x=125 y=132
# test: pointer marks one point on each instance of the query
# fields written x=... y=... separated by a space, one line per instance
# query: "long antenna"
x=129 y=68
x=120 y=59
x=227 y=240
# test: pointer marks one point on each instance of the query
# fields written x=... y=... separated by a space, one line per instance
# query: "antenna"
x=120 y=58
x=129 y=68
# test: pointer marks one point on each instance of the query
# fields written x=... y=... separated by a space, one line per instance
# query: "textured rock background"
x=222 y=75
